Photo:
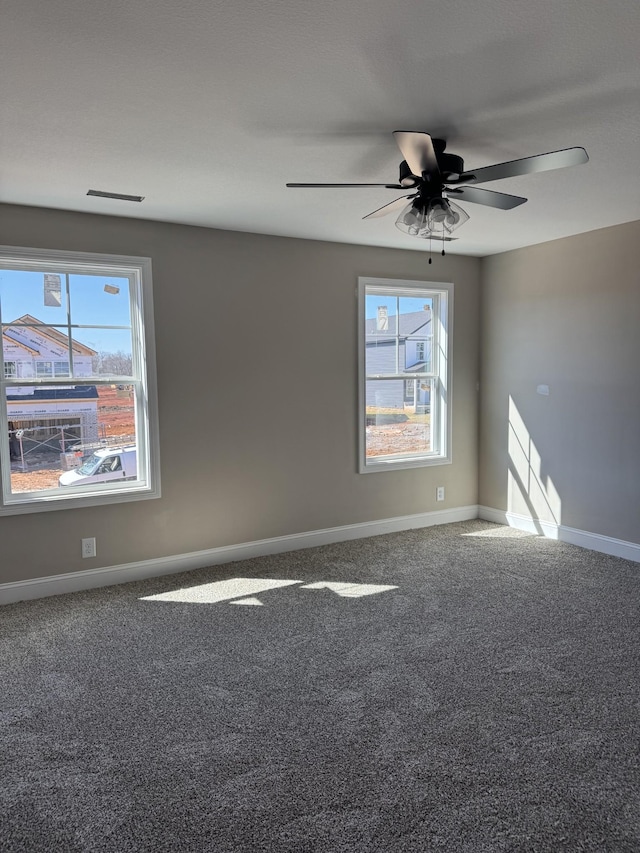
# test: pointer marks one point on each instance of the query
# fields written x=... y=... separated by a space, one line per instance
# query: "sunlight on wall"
x=243 y=591
x=529 y=493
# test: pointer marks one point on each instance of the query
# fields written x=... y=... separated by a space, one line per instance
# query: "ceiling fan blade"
x=478 y=195
x=417 y=149
x=529 y=165
x=389 y=208
x=388 y=186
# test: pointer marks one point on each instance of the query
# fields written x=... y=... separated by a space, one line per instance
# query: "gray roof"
x=413 y=323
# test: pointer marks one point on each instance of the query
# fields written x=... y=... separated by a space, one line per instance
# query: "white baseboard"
x=591 y=541
x=92 y=578
x=548 y=529
x=109 y=575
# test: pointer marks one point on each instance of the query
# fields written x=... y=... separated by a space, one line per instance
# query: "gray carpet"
x=488 y=702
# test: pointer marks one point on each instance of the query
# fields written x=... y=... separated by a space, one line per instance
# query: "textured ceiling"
x=207 y=108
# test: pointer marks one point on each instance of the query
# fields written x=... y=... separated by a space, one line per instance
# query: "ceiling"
x=207 y=108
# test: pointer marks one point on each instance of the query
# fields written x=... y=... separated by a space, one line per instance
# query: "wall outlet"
x=89 y=547
x=440 y=493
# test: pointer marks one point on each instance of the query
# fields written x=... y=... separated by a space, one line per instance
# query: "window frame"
x=138 y=270
x=440 y=375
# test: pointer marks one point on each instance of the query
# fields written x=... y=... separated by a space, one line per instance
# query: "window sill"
x=371 y=467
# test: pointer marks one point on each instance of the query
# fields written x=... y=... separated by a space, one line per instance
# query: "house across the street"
x=399 y=347
x=47 y=416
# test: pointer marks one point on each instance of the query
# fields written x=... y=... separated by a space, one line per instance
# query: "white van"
x=108 y=465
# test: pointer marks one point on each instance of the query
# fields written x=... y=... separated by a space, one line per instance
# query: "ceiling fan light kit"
x=434 y=174
x=436 y=219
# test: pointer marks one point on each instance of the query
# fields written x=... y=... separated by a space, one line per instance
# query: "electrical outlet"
x=89 y=547
x=440 y=493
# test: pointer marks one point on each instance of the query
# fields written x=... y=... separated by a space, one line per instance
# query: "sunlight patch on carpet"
x=210 y=593
x=254 y=602
x=244 y=590
x=350 y=590
x=501 y=533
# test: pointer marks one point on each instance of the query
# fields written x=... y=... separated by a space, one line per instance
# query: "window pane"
x=54 y=431
x=398 y=334
x=98 y=300
x=398 y=417
x=381 y=314
x=33 y=295
x=381 y=357
x=416 y=311
x=417 y=355
x=416 y=330
x=34 y=350
x=380 y=333
x=111 y=352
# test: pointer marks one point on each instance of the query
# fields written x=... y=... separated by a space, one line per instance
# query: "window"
x=112 y=463
x=48 y=368
x=405 y=373
x=44 y=368
x=75 y=329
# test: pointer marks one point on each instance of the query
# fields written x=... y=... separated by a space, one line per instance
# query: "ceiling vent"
x=119 y=196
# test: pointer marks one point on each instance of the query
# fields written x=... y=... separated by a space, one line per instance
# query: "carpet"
x=465 y=687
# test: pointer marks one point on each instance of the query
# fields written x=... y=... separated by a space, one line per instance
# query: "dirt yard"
x=115 y=419
x=397 y=438
x=394 y=431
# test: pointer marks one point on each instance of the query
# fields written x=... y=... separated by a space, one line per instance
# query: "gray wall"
x=564 y=314
x=262 y=444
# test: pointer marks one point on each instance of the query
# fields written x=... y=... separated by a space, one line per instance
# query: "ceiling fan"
x=435 y=176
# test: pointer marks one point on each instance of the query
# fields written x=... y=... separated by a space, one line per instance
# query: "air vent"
x=119 y=196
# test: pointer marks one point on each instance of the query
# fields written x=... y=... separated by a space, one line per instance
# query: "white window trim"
x=148 y=432
x=442 y=427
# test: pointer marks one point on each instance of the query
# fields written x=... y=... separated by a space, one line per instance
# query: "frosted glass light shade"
x=437 y=218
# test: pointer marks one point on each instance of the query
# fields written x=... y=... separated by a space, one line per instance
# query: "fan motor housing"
x=450 y=164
